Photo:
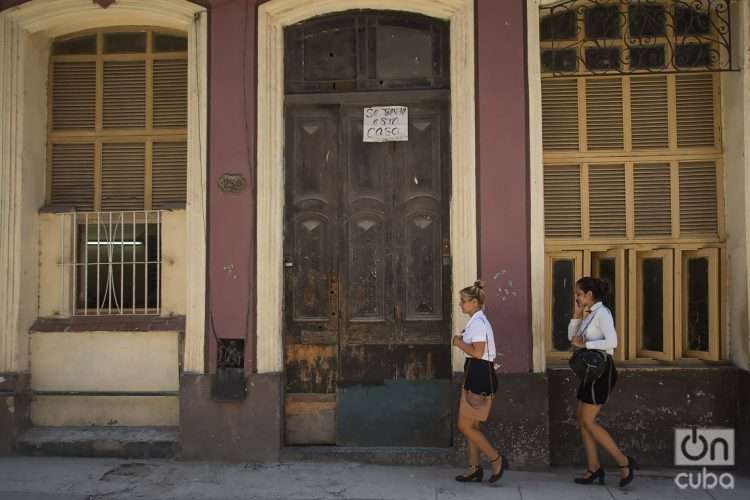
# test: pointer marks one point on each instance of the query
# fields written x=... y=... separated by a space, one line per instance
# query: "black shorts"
x=480 y=376
x=597 y=392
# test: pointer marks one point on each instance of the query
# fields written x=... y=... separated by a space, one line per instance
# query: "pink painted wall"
x=231 y=238
x=503 y=180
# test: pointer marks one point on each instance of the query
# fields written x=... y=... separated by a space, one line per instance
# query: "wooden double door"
x=367 y=293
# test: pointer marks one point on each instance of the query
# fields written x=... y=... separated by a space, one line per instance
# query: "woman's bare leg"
x=470 y=429
x=601 y=436
x=589 y=443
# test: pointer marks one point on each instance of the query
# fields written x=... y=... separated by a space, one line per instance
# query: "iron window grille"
x=111 y=262
x=593 y=37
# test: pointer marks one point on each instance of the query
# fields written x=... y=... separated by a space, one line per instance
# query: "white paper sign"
x=385 y=124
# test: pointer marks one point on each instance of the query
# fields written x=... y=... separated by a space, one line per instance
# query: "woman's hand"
x=578 y=313
x=456 y=339
x=578 y=341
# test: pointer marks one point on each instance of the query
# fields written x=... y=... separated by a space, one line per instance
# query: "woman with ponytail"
x=592 y=327
x=480 y=384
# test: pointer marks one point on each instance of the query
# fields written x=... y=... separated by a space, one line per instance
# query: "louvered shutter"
x=74 y=95
x=169 y=177
x=604 y=125
x=695 y=110
x=73 y=176
x=123 y=176
x=698 y=202
x=562 y=201
x=649 y=111
x=170 y=94
x=560 y=115
x=607 y=200
x=124 y=94
x=653 y=204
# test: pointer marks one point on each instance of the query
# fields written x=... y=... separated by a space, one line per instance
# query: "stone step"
x=117 y=442
x=384 y=455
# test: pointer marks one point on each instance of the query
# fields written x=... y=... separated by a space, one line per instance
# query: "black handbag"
x=588 y=364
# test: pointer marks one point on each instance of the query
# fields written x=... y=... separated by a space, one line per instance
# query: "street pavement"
x=31 y=478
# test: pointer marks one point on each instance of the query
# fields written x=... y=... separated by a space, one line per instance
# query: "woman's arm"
x=475 y=350
x=575 y=322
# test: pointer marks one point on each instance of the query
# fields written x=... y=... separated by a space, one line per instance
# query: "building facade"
x=247 y=221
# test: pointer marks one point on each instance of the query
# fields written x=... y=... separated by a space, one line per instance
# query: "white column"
x=196 y=196
x=536 y=180
x=736 y=117
x=11 y=147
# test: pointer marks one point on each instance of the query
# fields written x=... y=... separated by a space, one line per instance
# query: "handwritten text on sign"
x=386 y=123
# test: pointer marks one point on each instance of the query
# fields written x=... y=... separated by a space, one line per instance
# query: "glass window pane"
x=563 y=297
x=603 y=59
x=602 y=22
x=559 y=60
x=693 y=55
x=647 y=57
x=169 y=43
x=697 y=304
x=646 y=20
x=84 y=45
x=124 y=43
x=114 y=268
x=403 y=53
x=652 y=319
x=688 y=21
x=558 y=26
x=608 y=273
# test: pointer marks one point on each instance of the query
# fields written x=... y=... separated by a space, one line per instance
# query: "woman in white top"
x=592 y=327
x=477 y=341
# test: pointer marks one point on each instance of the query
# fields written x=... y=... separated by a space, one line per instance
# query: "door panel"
x=368 y=279
x=310 y=280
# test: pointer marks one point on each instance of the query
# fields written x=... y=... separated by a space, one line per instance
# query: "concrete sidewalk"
x=27 y=478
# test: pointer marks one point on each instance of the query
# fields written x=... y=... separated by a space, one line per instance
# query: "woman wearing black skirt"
x=477 y=341
x=592 y=327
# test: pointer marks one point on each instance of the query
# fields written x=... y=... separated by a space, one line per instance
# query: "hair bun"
x=479 y=284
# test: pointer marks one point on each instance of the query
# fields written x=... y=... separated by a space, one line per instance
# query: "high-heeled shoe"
x=632 y=465
x=499 y=474
x=477 y=475
x=593 y=476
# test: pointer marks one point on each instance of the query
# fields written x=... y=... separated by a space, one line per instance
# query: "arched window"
x=117 y=133
x=117 y=149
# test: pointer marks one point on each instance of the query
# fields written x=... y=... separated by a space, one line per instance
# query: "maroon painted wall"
x=231 y=217
x=503 y=181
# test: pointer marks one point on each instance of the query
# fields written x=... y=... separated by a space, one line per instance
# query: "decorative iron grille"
x=592 y=37
x=111 y=262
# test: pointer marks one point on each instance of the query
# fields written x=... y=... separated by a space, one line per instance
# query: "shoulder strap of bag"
x=582 y=331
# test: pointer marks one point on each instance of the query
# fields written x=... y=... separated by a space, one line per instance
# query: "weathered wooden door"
x=367 y=277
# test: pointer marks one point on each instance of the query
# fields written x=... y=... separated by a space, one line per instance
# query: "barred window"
x=633 y=173
x=117 y=133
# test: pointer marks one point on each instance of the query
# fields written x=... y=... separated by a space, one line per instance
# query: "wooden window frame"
x=618 y=255
x=550 y=258
x=636 y=301
x=630 y=248
x=100 y=135
x=714 y=307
